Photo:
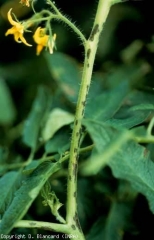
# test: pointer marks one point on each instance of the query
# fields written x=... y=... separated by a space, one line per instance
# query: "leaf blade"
x=26 y=194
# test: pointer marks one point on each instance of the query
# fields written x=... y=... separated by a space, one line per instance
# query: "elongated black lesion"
x=87 y=87
x=94 y=31
x=76 y=220
x=80 y=130
x=75 y=150
x=88 y=53
x=79 y=141
x=32 y=224
x=75 y=169
x=73 y=227
x=80 y=134
x=83 y=103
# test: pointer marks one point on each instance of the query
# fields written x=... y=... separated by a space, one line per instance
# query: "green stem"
x=42 y=225
x=146 y=139
x=71 y=25
x=90 y=52
x=54 y=7
x=48 y=158
x=150 y=127
x=32 y=5
x=53 y=227
x=60 y=16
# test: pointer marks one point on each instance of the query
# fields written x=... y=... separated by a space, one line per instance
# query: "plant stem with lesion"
x=90 y=53
x=72 y=224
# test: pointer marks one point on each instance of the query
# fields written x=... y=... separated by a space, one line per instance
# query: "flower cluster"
x=43 y=40
x=40 y=37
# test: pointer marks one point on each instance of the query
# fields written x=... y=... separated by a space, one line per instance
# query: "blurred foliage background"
x=126 y=48
x=127 y=22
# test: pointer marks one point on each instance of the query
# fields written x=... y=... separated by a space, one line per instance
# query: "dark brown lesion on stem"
x=83 y=103
x=76 y=220
x=77 y=134
x=88 y=53
x=79 y=142
x=73 y=227
x=75 y=169
x=77 y=157
x=75 y=150
x=75 y=195
x=87 y=88
x=80 y=133
x=32 y=224
x=94 y=32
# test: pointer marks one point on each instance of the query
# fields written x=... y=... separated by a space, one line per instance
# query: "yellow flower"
x=17 y=30
x=25 y=2
x=43 y=40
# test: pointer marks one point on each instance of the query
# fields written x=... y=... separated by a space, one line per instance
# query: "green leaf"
x=132 y=116
x=144 y=106
x=59 y=143
x=3 y=154
x=118 y=220
x=96 y=88
x=97 y=230
x=32 y=166
x=51 y=200
x=132 y=73
x=100 y=133
x=132 y=163
x=103 y=133
x=56 y=119
x=66 y=72
x=7 y=109
x=127 y=159
x=134 y=119
x=85 y=194
x=141 y=98
x=107 y=142
x=36 y=117
x=108 y=103
x=114 y=226
x=26 y=194
x=8 y=184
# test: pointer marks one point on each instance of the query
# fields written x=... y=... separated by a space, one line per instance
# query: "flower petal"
x=39 y=49
x=36 y=35
x=13 y=23
x=24 y=41
x=40 y=37
x=10 y=31
x=17 y=36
